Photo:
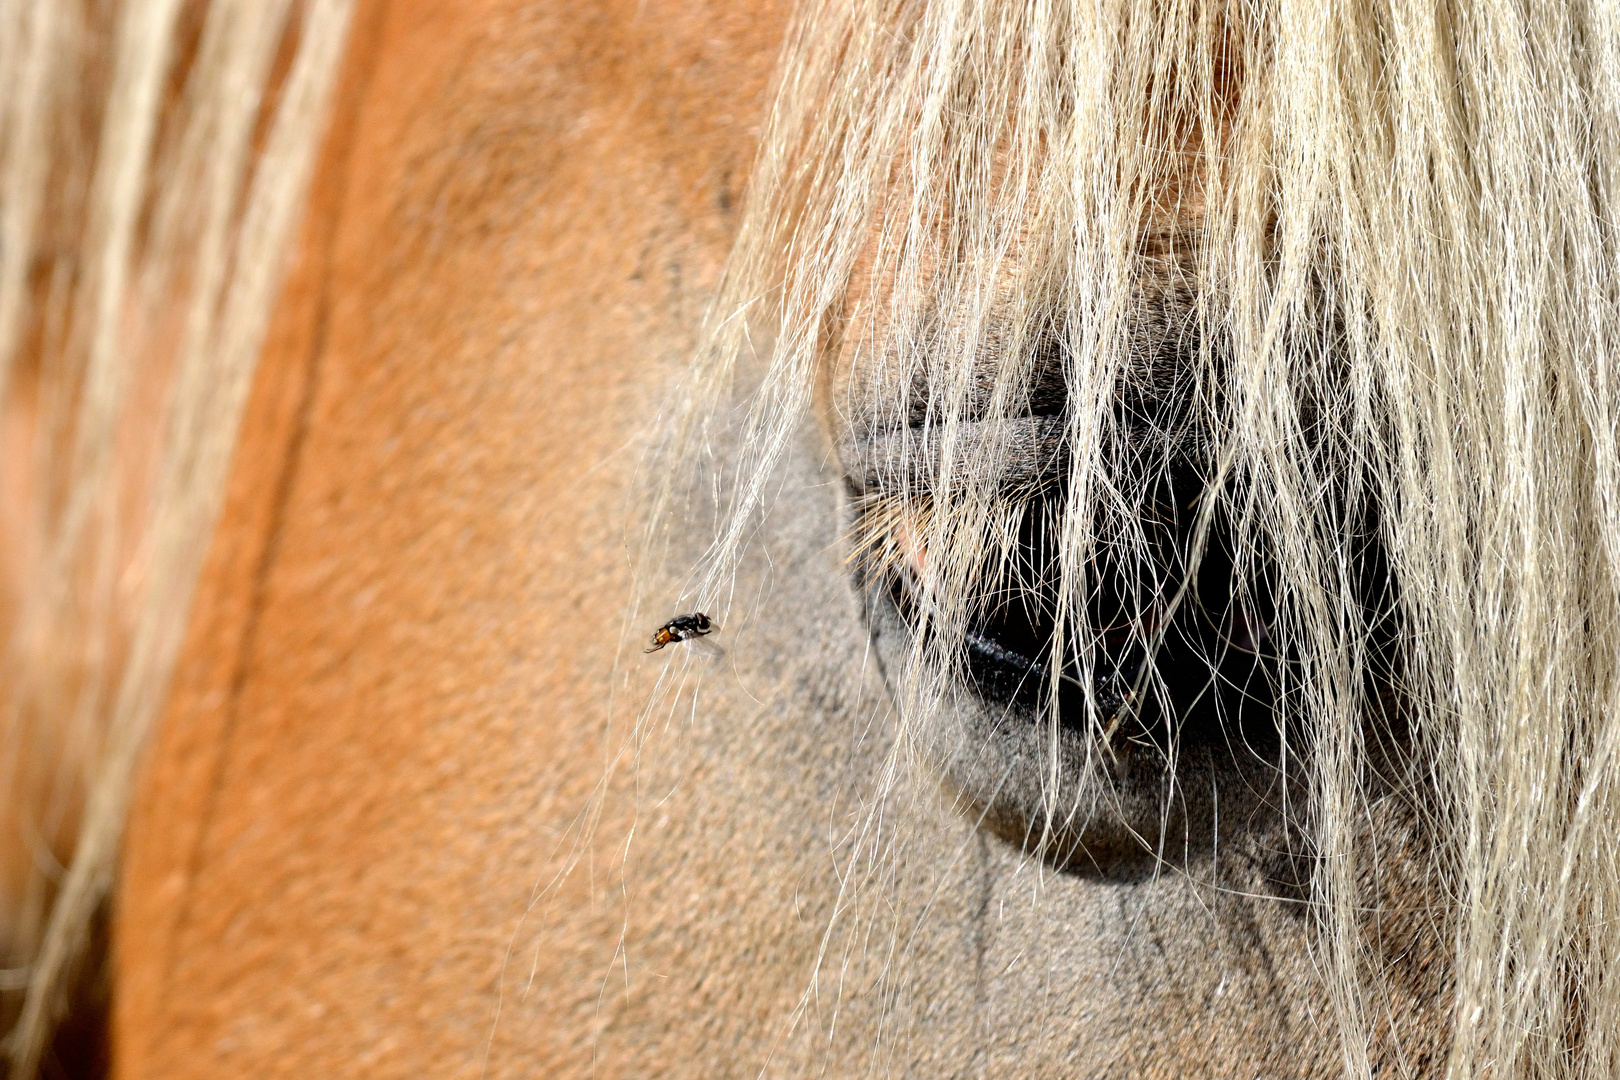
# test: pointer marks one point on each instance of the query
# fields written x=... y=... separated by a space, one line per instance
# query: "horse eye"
x=1161 y=676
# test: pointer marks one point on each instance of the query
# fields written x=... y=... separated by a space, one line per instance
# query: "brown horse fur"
x=419 y=804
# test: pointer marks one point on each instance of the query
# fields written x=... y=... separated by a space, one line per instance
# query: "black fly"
x=690 y=629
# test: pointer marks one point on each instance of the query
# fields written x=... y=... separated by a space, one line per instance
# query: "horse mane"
x=153 y=163
x=1399 y=219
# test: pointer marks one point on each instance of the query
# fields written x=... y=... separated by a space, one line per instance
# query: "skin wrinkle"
x=351 y=100
x=209 y=687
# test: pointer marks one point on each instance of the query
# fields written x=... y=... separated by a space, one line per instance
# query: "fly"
x=692 y=629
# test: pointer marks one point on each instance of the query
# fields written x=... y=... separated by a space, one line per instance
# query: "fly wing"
x=705 y=648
